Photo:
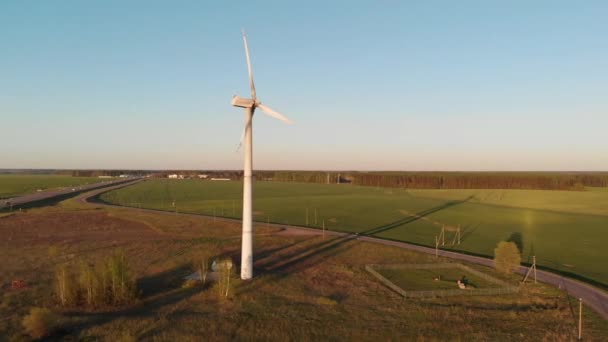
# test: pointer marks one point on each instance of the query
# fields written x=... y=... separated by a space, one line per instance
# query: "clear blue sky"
x=404 y=85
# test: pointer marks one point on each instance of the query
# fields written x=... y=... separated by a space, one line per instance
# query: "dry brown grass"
x=306 y=287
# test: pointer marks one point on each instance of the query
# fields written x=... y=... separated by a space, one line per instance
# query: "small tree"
x=40 y=322
x=64 y=285
x=202 y=266
x=89 y=284
x=224 y=269
x=506 y=257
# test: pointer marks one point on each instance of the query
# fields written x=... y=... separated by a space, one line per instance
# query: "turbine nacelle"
x=238 y=101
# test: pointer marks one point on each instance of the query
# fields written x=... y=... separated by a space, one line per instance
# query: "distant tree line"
x=446 y=180
x=97 y=173
x=396 y=179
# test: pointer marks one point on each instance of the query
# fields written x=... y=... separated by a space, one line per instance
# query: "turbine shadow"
x=413 y=218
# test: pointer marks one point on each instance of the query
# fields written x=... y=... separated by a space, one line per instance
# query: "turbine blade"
x=273 y=113
x=242 y=138
x=247 y=123
x=249 y=66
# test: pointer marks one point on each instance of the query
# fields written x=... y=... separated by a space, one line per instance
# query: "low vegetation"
x=40 y=322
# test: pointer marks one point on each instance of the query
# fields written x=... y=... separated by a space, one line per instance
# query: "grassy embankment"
x=567 y=231
x=15 y=185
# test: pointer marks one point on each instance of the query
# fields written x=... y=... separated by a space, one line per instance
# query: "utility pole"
x=531 y=269
x=323 y=229
x=436 y=246
x=580 y=318
x=534 y=263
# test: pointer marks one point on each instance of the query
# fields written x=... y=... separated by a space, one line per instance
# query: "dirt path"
x=592 y=296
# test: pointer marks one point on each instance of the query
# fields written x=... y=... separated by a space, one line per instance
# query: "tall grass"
x=106 y=283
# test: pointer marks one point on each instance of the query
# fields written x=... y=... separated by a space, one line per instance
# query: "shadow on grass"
x=467 y=231
x=413 y=218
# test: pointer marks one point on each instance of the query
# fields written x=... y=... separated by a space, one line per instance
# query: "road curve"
x=30 y=199
x=592 y=296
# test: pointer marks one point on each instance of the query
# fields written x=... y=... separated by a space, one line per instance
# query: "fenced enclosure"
x=501 y=287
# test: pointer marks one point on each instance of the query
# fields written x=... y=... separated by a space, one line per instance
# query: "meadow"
x=306 y=287
x=567 y=236
x=15 y=185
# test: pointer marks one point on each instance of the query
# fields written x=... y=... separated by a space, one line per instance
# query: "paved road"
x=592 y=296
x=31 y=199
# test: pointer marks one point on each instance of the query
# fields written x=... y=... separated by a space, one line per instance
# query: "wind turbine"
x=250 y=106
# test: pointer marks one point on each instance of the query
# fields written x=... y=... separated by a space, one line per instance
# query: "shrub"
x=506 y=257
x=40 y=322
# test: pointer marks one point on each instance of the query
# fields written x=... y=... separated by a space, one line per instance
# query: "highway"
x=32 y=199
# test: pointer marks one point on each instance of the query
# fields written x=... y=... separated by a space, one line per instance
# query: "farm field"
x=15 y=185
x=306 y=287
x=562 y=240
x=592 y=201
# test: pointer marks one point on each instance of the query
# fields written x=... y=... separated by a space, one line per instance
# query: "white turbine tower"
x=250 y=105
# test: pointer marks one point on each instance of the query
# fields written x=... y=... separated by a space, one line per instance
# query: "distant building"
x=173 y=176
x=123 y=176
x=201 y=176
x=220 y=179
x=104 y=177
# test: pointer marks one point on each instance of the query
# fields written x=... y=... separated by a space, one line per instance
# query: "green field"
x=433 y=279
x=563 y=237
x=15 y=185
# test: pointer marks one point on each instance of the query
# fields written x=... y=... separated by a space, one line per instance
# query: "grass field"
x=15 y=185
x=592 y=201
x=562 y=239
x=433 y=279
x=306 y=287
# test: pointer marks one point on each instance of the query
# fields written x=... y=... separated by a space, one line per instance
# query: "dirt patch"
x=298 y=232
x=69 y=228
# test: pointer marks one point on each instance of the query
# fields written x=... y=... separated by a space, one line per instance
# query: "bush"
x=506 y=257
x=40 y=322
